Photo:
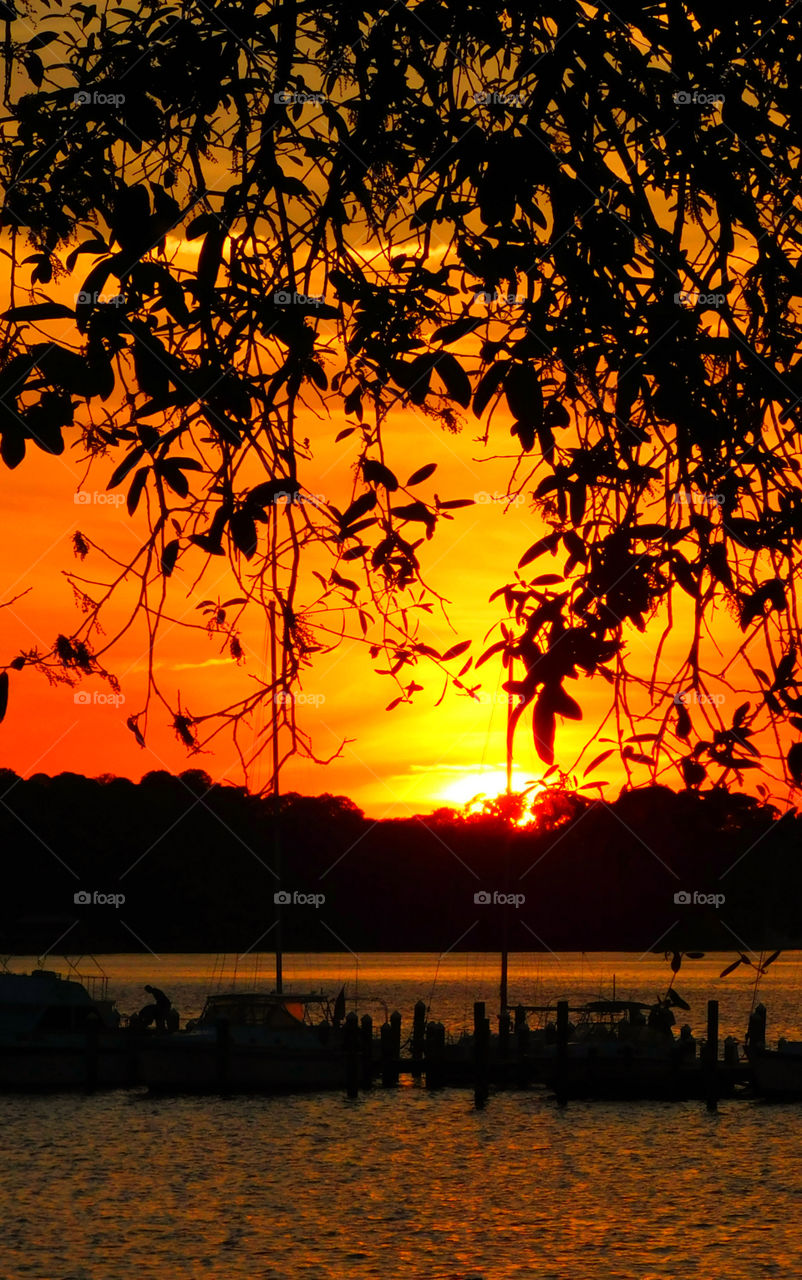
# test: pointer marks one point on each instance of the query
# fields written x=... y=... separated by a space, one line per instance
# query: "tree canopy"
x=577 y=225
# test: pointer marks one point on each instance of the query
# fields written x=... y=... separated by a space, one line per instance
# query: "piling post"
x=366 y=1042
x=351 y=1046
x=522 y=1044
x=481 y=1054
x=395 y=1027
x=388 y=1056
x=504 y=1034
x=562 y=1053
x=711 y=1055
x=435 y=1043
x=418 y=1034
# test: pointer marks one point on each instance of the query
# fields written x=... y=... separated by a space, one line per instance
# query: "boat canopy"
x=614 y=1006
x=260 y=1009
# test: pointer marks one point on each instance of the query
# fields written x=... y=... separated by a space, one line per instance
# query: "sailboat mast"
x=276 y=794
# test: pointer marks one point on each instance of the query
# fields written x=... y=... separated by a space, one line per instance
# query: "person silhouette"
x=157 y=1012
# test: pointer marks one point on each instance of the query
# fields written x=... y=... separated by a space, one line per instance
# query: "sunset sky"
x=411 y=759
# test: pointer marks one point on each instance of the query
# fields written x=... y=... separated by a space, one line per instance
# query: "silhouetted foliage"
x=361 y=183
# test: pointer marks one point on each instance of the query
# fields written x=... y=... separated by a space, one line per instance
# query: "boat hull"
x=59 y=1065
x=776 y=1074
x=207 y=1067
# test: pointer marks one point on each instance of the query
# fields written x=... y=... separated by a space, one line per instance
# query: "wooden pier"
x=512 y=1060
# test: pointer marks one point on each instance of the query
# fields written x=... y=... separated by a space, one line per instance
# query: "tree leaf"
x=605 y=755
x=377 y=473
x=127 y=464
x=137 y=488
x=456 y=650
x=243 y=533
x=39 y=311
x=422 y=474
x=547 y=543
x=169 y=557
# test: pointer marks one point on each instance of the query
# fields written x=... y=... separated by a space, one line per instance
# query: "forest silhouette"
x=193 y=861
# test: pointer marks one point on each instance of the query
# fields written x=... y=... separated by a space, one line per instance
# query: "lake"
x=405 y=1183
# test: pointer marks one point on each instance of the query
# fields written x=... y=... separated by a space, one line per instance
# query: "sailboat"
x=255 y=1040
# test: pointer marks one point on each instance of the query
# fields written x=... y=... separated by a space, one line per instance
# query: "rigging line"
x=259 y=714
x=490 y=717
x=757 y=980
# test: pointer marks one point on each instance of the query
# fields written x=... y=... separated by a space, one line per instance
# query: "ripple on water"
x=405 y=1184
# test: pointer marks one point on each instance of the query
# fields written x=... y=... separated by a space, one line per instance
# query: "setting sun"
x=484 y=785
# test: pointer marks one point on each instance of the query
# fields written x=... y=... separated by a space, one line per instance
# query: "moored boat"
x=250 y=1041
x=55 y=1035
x=777 y=1073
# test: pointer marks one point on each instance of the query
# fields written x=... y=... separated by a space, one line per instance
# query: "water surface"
x=405 y=1183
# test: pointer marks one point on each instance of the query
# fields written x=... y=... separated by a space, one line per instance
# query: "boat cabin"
x=264 y=1009
x=43 y=1001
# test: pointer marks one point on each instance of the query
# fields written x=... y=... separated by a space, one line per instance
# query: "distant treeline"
x=196 y=863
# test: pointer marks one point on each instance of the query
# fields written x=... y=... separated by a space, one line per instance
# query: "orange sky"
x=409 y=760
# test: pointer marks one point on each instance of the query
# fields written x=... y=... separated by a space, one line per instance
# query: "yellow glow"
x=486 y=785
